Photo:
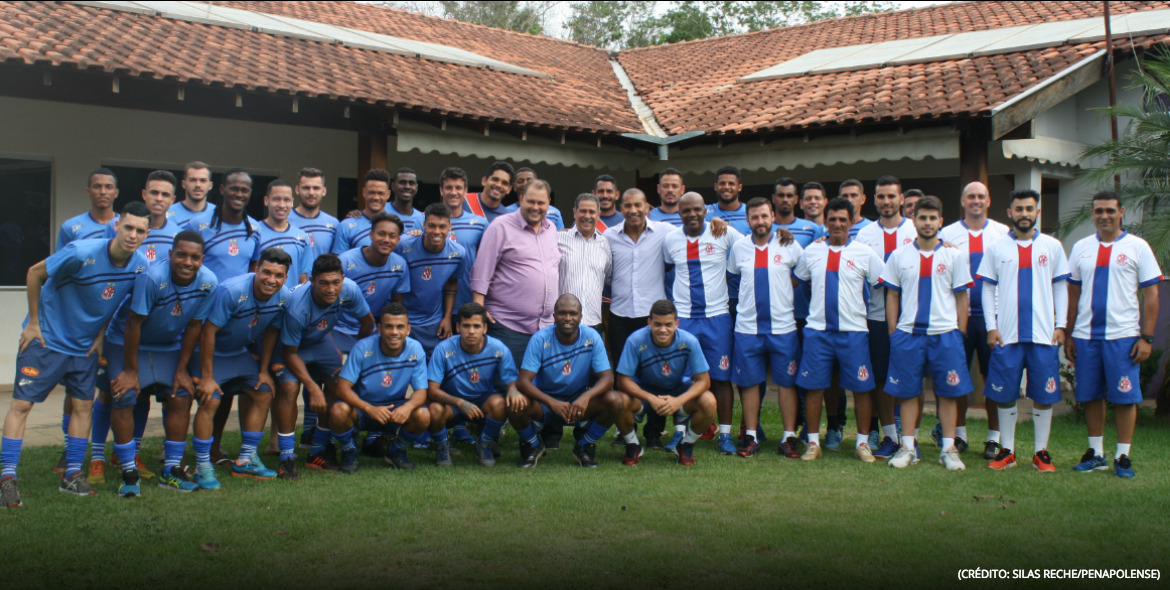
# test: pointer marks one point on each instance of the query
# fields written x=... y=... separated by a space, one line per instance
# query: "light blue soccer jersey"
x=228 y=248
x=307 y=323
x=429 y=272
x=412 y=222
x=351 y=233
x=157 y=245
x=294 y=241
x=736 y=218
x=471 y=376
x=674 y=219
x=180 y=214
x=83 y=292
x=563 y=371
x=379 y=379
x=241 y=317
x=83 y=227
x=467 y=230
x=666 y=370
x=168 y=307
x=320 y=229
x=377 y=283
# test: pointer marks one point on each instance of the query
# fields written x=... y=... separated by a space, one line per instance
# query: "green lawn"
x=727 y=522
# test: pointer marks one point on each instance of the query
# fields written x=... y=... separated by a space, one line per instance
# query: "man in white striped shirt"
x=586 y=264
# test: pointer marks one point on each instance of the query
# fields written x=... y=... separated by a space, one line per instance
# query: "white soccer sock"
x=814 y=438
x=1007 y=426
x=724 y=429
x=890 y=430
x=862 y=438
x=750 y=433
x=1042 y=421
x=1122 y=449
x=947 y=443
x=961 y=432
x=680 y=427
x=908 y=441
x=1097 y=443
x=632 y=437
x=993 y=436
x=691 y=436
x=789 y=434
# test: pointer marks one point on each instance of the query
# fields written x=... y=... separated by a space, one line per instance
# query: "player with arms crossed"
x=1112 y=335
x=926 y=309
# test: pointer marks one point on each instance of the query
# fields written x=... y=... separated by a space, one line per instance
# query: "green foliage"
x=1141 y=157
x=501 y=14
x=637 y=23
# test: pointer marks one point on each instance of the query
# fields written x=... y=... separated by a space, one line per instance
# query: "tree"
x=633 y=23
x=525 y=17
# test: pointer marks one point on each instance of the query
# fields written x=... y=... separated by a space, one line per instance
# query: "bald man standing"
x=973 y=234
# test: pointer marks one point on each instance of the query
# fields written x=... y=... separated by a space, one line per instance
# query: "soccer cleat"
x=672 y=446
x=950 y=459
x=1004 y=459
x=961 y=445
x=904 y=458
x=1042 y=461
x=1122 y=467
x=487 y=458
x=443 y=454
x=349 y=462
x=586 y=454
x=396 y=458
x=77 y=485
x=633 y=454
x=812 y=453
x=886 y=449
x=306 y=440
x=654 y=442
x=287 y=470
x=97 y=472
x=551 y=437
x=176 y=480
x=789 y=448
x=9 y=494
x=749 y=448
x=710 y=433
x=253 y=468
x=323 y=461
x=833 y=439
x=62 y=463
x=376 y=447
x=460 y=434
x=1091 y=461
x=143 y=472
x=531 y=454
x=726 y=445
x=875 y=439
x=936 y=434
x=864 y=453
x=205 y=477
x=686 y=453
x=990 y=450
x=130 y=487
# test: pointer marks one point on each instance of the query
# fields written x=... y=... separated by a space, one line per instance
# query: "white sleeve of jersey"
x=1060 y=302
x=989 y=303
x=1148 y=269
x=961 y=273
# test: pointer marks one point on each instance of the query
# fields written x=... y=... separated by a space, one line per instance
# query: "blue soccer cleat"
x=726 y=445
x=671 y=446
x=205 y=477
x=886 y=450
x=833 y=439
x=253 y=468
x=130 y=487
x=1091 y=461
x=1123 y=467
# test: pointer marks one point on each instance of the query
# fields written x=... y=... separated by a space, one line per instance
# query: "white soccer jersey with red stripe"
x=700 y=271
x=927 y=282
x=884 y=241
x=765 y=285
x=972 y=243
x=1025 y=274
x=841 y=278
x=1109 y=276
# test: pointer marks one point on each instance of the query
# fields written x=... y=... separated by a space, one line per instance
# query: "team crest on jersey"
x=940 y=269
x=177 y=309
x=1125 y=386
x=89 y=261
x=323 y=324
x=724 y=364
x=150 y=253
x=474 y=377
x=792 y=367
x=30 y=371
x=387 y=379
x=1043 y=260
x=370 y=289
x=233 y=249
x=567 y=369
x=255 y=320
x=905 y=241
x=863 y=373
x=1122 y=259
x=777 y=259
x=1050 y=387
x=665 y=369
x=952 y=378
x=311 y=242
x=108 y=292
x=710 y=249
x=426 y=274
x=451 y=236
x=850 y=264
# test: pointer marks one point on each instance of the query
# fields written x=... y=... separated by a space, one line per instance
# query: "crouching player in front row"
x=926 y=308
x=561 y=362
x=663 y=369
x=371 y=390
x=148 y=345
x=465 y=375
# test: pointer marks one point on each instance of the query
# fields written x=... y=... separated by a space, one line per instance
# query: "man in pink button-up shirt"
x=515 y=276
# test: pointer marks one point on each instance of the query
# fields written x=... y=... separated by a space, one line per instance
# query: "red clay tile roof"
x=583 y=94
x=692 y=86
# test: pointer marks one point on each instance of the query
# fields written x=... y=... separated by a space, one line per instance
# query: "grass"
x=726 y=522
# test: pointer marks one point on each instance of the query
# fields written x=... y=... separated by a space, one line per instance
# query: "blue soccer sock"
x=202 y=449
x=173 y=454
x=141 y=413
x=101 y=430
x=248 y=443
x=75 y=448
x=371 y=436
x=125 y=453
x=491 y=428
x=321 y=438
x=287 y=442
x=10 y=455
x=345 y=440
x=528 y=434
x=65 y=423
x=310 y=421
x=593 y=433
x=440 y=436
